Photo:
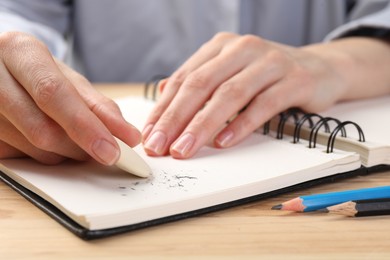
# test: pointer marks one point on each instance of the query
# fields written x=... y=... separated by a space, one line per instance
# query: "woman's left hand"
x=231 y=72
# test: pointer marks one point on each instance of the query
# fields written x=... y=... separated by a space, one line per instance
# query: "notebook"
x=95 y=201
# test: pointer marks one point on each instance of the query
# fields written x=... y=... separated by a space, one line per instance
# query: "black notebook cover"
x=86 y=234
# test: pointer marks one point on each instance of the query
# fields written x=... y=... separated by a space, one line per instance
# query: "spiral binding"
x=293 y=112
x=266 y=127
x=332 y=137
x=306 y=117
x=318 y=125
x=315 y=127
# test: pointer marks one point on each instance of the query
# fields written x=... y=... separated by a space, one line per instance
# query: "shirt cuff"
x=375 y=25
x=55 y=42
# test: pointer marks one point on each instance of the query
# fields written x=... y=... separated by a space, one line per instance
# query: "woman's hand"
x=231 y=72
x=49 y=112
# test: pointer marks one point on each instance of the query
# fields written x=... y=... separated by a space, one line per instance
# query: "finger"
x=13 y=141
x=265 y=106
x=161 y=85
x=227 y=100
x=292 y=88
x=208 y=51
x=193 y=94
x=56 y=96
x=104 y=108
x=7 y=151
x=27 y=119
x=149 y=126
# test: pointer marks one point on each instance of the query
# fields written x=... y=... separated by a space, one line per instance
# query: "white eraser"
x=131 y=162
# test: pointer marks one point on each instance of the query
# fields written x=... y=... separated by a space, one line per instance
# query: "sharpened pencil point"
x=277 y=207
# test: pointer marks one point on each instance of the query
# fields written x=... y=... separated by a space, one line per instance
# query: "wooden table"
x=251 y=230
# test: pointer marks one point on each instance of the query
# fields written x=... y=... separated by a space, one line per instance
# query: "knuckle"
x=112 y=105
x=248 y=123
x=17 y=42
x=267 y=103
x=78 y=125
x=244 y=46
x=250 y=40
x=171 y=118
x=223 y=36
x=275 y=56
x=171 y=123
x=10 y=39
x=196 y=81
x=104 y=105
x=178 y=77
x=45 y=87
x=42 y=134
x=229 y=91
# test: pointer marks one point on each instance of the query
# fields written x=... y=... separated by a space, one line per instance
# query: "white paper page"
x=372 y=115
x=259 y=164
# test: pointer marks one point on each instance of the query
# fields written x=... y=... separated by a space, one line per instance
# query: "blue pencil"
x=320 y=201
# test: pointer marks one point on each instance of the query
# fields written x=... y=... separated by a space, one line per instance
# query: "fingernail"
x=225 y=138
x=183 y=145
x=156 y=143
x=147 y=129
x=106 y=152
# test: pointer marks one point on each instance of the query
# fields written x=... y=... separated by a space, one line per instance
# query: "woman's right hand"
x=50 y=112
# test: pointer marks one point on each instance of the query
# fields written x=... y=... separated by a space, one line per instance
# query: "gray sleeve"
x=369 y=18
x=48 y=20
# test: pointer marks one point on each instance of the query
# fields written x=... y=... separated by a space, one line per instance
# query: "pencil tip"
x=277 y=207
